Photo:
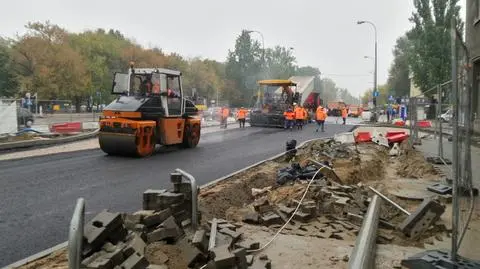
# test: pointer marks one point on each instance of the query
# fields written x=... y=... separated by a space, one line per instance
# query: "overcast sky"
x=323 y=33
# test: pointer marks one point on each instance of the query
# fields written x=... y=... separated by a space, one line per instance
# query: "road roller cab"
x=149 y=110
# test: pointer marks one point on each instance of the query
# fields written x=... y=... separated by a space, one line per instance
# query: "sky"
x=323 y=33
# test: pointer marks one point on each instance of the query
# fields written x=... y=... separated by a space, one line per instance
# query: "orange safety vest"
x=289 y=115
x=305 y=113
x=241 y=114
x=344 y=113
x=225 y=112
x=299 y=113
x=321 y=115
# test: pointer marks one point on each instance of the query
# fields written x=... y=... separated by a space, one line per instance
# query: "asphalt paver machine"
x=272 y=100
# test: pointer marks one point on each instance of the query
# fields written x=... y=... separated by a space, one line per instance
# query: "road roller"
x=149 y=109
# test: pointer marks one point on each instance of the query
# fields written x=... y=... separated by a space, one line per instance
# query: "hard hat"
x=294 y=104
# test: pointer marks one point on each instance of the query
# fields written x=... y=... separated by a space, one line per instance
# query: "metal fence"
x=17 y=114
x=40 y=115
x=448 y=106
x=462 y=123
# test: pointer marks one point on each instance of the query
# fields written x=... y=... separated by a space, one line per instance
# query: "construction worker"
x=299 y=116
x=289 y=118
x=241 y=115
x=225 y=113
x=320 y=116
x=344 y=115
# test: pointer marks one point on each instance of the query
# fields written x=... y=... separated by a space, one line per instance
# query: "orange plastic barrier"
x=397 y=138
x=424 y=123
x=67 y=127
x=363 y=137
x=392 y=133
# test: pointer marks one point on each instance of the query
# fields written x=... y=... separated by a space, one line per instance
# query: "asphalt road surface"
x=38 y=193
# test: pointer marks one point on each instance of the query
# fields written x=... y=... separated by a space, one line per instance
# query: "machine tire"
x=191 y=136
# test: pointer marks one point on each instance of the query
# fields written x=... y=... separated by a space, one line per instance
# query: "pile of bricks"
x=325 y=213
x=229 y=249
x=118 y=241
x=108 y=244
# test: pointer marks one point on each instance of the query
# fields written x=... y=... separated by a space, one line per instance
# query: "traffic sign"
x=391 y=98
x=375 y=94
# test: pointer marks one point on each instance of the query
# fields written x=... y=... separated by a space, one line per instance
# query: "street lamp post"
x=263 y=43
x=376 y=60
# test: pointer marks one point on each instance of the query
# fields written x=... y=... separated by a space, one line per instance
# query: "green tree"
x=429 y=57
x=243 y=67
x=279 y=63
x=307 y=71
x=398 y=74
x=8 y=79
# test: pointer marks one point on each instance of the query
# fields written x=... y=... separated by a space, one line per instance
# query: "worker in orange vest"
x=320 y=116
x=241 y=116
x=225 y=114
x=289 y=118
x=299 y=116
x=344 y=115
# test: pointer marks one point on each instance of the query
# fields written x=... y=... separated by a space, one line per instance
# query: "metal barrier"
x=363 y=255
x=193 y=184
x=75 y=235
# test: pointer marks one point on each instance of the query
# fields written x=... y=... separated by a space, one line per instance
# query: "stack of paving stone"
x=114 y=240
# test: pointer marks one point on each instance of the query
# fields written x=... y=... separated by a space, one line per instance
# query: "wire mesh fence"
x=462 y=122
x=41 y=115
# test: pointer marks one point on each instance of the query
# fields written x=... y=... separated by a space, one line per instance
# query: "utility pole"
x=375 y=88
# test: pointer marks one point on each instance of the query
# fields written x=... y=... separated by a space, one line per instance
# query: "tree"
x=398 y=77
x=8 y=79
x=46 y=64
x=429 y=56
x=279 y=63
x=307 y=71
x=244 y=66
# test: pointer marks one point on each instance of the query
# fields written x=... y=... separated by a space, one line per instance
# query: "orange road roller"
x=149 y=109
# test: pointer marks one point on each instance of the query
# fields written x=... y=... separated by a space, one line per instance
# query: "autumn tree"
x=46 y=64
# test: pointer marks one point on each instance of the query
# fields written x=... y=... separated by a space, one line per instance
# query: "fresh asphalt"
x=38 y=194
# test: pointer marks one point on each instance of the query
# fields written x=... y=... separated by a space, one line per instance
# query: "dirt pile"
x=333 y=207
x=237 y=191
x=413 y=165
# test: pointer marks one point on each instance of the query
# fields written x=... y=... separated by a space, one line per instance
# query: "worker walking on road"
x=241 y=115
x=289 y=118
x=225 y=114
x=320 y=116
x=299 y=116
x=344 y=115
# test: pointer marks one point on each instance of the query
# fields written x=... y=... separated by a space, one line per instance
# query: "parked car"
x=366 y=115
x=25 y=117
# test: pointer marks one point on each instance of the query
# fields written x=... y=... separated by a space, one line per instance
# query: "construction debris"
x=244 y=213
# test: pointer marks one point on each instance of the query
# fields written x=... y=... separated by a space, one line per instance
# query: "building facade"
x=473 y=42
